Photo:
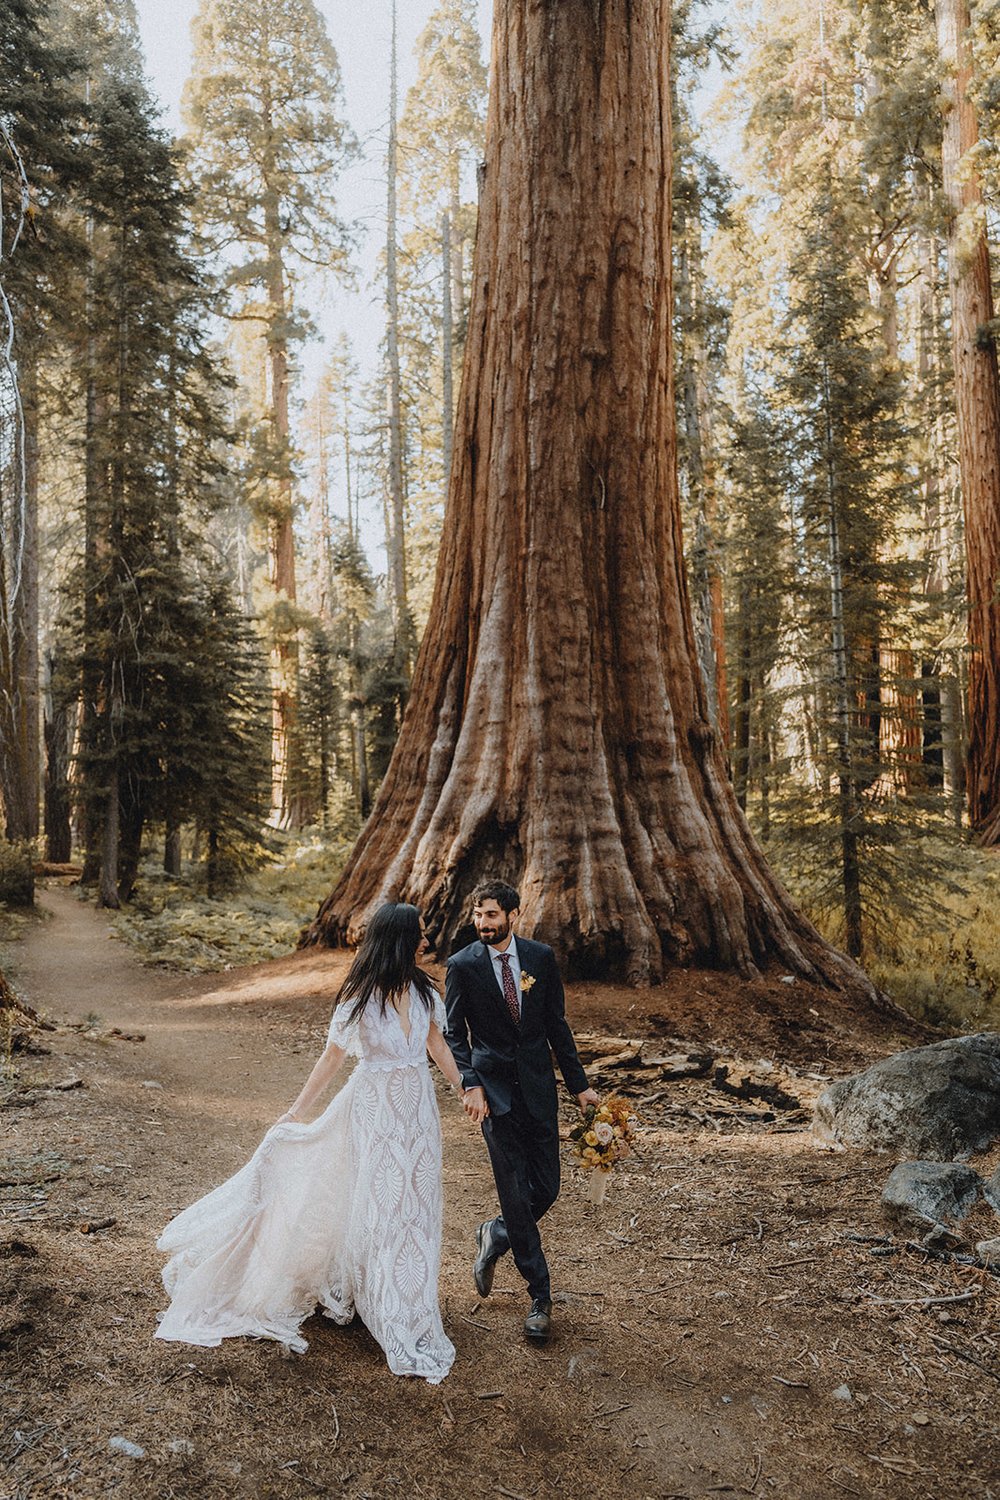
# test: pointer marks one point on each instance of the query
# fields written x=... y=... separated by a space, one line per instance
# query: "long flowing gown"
x=344 y=1212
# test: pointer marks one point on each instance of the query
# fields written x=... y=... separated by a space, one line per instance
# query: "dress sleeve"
x=438 y=1013
x=344 y=1033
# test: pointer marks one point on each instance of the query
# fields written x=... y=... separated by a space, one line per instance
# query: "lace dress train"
x=344 y=1212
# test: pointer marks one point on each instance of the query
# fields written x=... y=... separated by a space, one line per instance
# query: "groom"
x=506 y=1009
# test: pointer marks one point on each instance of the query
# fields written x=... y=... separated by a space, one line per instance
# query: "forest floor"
x=722 y=1327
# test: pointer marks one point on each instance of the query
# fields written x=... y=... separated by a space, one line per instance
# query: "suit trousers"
x=524 y=1154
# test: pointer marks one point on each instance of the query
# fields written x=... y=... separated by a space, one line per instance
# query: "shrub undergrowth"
x=174 y=925
x=932 y=933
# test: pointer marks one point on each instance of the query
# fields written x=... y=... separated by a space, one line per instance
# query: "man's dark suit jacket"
x=491 y=1051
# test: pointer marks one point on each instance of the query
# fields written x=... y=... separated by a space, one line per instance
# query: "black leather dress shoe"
x=538 y=1323
x=486 y=1259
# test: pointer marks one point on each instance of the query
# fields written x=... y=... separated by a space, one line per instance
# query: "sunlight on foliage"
x=17 y=878
x=173 y=925
x=932 y=923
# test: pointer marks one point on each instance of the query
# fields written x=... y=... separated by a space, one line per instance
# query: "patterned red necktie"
x=509 y=992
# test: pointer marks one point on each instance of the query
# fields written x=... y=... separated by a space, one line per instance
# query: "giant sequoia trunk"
x=557 y=731
x=977 y=404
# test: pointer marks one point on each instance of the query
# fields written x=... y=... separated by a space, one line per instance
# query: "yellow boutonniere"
x=527 y=980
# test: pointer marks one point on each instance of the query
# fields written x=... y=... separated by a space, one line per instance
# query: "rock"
x=130 y=1450
x=151 y=1083
x=989 y=1253
x=181 y=1445
x=842 y=1393
x=934 y=1102
x=931 y=1196
x=991 y=1190
x=940 y=1237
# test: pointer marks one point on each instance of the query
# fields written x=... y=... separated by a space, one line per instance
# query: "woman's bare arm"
x=318 y=1081
x=438 y=1049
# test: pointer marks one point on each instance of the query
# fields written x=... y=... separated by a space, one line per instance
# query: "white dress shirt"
x=515 y=967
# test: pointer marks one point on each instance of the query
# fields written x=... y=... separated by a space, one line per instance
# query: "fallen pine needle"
x=798 y=1385
x=962 y=1354
x=925 y=1301
x=896 y=1465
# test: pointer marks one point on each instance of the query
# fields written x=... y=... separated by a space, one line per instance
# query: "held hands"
x=474 y=1104
x=589 y=1096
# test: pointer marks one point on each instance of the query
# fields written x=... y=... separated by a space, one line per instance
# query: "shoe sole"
x=483 y=1279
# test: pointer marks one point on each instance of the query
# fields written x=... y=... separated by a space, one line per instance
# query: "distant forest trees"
x=195 y=642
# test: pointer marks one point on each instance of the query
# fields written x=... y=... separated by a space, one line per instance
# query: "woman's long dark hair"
x=386 y=961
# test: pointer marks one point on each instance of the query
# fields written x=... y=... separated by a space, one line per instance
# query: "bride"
x=344 y=1211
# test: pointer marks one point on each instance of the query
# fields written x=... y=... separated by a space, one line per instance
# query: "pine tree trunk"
x=349 y=493
x=172 y=849
x=286 y=758
x=133 y=819
x=977 y=402
x=395 y=507
x=939 y=480
x=744 y=706
x=447 y=351
x=709 y=617
x=359 y=745
x=458 y=308
x=848 y=808
x=557 y=733
x=212 y=863
x=953 y=738
x=94 y=548
x=706 y=578
x=58 y=840
x=107 y=891
x=19 y=722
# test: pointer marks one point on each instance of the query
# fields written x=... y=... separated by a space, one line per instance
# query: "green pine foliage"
x=834 y=458
x=178 y=733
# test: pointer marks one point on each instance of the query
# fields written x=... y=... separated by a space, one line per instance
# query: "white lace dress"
x=344 y=1212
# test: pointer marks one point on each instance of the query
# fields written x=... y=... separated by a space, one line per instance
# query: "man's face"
x=492 y=923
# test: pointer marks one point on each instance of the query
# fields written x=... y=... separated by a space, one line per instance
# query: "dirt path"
x=708 y=1314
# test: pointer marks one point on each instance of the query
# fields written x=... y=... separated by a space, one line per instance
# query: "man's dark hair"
x=499 y=891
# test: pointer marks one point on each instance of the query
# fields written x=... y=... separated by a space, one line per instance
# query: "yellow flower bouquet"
x=603 y=1136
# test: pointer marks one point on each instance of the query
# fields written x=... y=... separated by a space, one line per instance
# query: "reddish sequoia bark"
x=900 y=745
x=557 y=731
x=977 y=405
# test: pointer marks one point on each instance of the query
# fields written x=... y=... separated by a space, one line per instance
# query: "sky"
x=361 y=35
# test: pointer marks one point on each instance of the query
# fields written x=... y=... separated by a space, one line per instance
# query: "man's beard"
x=487 y=935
